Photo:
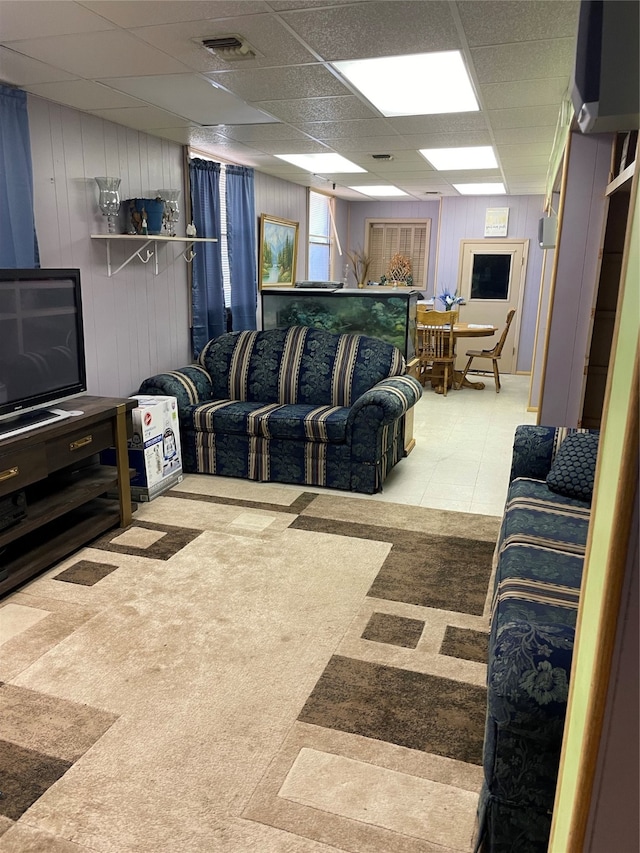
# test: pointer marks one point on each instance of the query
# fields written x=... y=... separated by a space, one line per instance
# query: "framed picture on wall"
x=278 y=251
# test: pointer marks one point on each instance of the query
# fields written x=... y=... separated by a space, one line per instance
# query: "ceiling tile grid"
x=142 y=65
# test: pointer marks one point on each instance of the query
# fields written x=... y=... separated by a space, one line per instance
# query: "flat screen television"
x=42 y=358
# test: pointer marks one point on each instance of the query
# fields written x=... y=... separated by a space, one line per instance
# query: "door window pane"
x=490 y=277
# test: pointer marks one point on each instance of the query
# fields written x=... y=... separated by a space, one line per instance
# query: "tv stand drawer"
x=21 y=468
x=78 y=444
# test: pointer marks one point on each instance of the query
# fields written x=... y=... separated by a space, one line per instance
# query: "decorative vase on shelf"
x=109 y=200
x=171 y=209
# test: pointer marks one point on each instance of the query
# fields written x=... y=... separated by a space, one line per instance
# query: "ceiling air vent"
x=382 y=156
x=230 y=48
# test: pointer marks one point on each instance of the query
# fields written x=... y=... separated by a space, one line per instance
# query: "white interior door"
x=491 y=279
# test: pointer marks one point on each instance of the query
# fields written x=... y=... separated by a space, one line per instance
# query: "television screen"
x=41 y=338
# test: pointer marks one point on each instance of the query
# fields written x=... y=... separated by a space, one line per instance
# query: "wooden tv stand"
x=57 y=469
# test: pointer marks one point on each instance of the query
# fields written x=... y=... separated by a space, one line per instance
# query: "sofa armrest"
x=189 y=385
x=393 y=397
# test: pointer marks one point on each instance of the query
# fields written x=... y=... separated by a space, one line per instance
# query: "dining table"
x=461 y=330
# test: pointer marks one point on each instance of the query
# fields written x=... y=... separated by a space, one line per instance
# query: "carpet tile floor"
x=249 y=668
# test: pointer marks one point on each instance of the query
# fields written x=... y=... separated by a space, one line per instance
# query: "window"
x=226 y=274
x=411 y=238
x=319 y=236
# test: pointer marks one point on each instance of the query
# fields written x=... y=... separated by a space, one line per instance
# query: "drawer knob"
x=81 y=442
x=9 y=473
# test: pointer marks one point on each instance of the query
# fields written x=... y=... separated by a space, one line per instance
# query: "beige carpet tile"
x=22 y=838
x=465 y=643
x=410 y=709
x=390 y=799
x=268 y=805
x=5 y=824
x=46 y=724
x=404 y=517
x=216 y=515
x=86 y=572
x=233 y=489
x=171 y=540
x=26 y=775
x=394 y=630
x=425 y=569
x=16 y=618
x=18 y=653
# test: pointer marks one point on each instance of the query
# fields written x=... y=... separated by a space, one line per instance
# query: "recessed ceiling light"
x=383 y=190
x=321 y=163
x=417 y=84
x=480 y=189
x=451 y=159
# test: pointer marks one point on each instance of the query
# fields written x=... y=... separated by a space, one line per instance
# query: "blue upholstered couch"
x=539 y=561
x=295 y=405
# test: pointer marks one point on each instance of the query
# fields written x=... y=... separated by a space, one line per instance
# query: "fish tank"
x=381 y=312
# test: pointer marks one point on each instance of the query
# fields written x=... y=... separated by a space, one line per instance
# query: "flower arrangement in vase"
x=450 y=300
x=360 y=263
x=398 y=271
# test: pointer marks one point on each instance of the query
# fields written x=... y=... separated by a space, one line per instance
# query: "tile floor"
x=462 y=456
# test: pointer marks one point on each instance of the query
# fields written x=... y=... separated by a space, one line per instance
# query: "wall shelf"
x=143 y=251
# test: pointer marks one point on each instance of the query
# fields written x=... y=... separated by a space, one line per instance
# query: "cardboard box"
x=154 y=448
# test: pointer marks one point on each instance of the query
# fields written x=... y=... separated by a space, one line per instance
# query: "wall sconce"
x=109 y=200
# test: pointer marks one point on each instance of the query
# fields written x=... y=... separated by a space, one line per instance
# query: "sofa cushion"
x=297 y=422
x=573 y=469
x=298 y=365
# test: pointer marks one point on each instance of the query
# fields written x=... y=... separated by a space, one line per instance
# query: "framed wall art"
x=278 y=251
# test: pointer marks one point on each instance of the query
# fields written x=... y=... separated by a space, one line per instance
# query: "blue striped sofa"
x=295 y=405
x=538 y=567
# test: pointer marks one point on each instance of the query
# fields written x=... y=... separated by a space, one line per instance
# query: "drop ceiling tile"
x=386 y=28
x=274 y=45
x=472 y=176
x=298 y=110
x=188 y=135
x=83 y=95
x=506 y=21
x=527 y=189
x=297 y=146
x=47 y=18
x=449 y=123
x=141 y=117
x=190 y=96
x=375 y=145
x=510 y=135
x=19 y=70
x=105 y=54
x=544 y=116
x=524 y=150
x=262 y=132
x=524 y=93
x=124 y=13
x=299 y=81
x=524 y=60
x=359 y=129
x=448 y=140
x=514 y=161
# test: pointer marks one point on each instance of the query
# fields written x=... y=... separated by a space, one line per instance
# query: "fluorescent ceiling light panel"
x=453 y=159
x=385 y=190
x=321 y=163
x=417 y=84
x=480 y=189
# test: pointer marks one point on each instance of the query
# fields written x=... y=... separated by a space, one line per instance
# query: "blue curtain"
x=207 y=293
x=242 y=246
x=18 y=243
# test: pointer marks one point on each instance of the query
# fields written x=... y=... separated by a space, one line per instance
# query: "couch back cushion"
x=298 y=365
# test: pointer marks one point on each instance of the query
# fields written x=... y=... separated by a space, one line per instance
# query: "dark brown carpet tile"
x=394 y=630
x=446 y=572
x=85 y=572
x=411 y=709
x=298 y=505
x=465 y=643
x=174 y=540
x=25 y=775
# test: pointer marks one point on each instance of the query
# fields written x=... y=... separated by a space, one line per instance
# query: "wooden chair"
x=494 y=354
x=436 y=345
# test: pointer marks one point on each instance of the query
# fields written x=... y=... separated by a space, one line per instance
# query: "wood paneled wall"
x=136 y=323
